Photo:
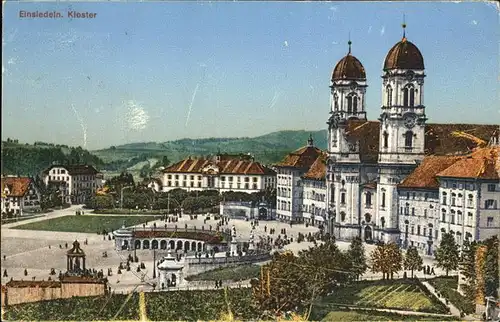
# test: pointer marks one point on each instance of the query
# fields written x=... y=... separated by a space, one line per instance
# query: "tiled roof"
x=75 y=169
x=483 y=163
x=318 y=169
x=18 y=186
x=424 y=176
x=439 y=138
x=227 y=165
x=301 y=158
x=370 y=185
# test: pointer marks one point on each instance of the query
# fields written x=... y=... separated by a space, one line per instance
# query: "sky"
x=160 y=71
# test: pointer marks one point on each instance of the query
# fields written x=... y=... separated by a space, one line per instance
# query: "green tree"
x=491 y=271
x=387 y=259
x=447 y=254
x=103 y=202
x=165 y=161
x=467 y=269
x=357 y=257
x=413 y=261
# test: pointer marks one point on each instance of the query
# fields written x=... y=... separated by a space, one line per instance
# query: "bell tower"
x=403 y=112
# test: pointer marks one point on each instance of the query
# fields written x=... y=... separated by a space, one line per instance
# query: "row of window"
x=426 y=195
x=212 y=185
x=409 y=93
x=409 y=135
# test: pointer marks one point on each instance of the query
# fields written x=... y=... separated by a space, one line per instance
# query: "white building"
x=19 y=194
x=75 y=182
x=452 y=194
x=367 y=160
x=290 y=186
x=222 y=172
x=314 y=193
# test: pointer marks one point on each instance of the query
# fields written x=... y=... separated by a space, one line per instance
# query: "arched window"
x=336 y=101
x=383 y=199
x=368 y=200
x=349 y=104
x=405 y=96
x=355 y=104
x=388 y=92
x=368 y=218
x=342 y=216
x=412 y=97
x=408 y=139
x=386 y=139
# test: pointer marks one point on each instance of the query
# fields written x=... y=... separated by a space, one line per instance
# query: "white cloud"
x=286 y=43
x=12 y=61
x=474 y=22
x=370 y=29
x=137 y=117
x=382 y=31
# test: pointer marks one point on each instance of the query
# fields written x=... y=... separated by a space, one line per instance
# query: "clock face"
x=409 y=75
x=409 y=121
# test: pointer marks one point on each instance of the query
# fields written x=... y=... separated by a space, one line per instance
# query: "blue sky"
x=155 y=71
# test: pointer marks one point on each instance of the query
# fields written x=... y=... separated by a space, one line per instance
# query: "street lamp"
x=121 y=196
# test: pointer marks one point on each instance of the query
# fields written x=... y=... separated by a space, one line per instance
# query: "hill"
x=269 y=148
x=30 y=159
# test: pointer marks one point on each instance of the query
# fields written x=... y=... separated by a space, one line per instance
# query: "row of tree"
x=292 y=283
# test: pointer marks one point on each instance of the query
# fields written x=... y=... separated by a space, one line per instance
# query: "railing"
x=229 y=260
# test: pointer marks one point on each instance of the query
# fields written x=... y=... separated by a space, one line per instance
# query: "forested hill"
x=31 y=159
x=269 y=148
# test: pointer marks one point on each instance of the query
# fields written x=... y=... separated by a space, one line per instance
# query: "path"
x=454 y=311
x=54 y=214
x=402 y=312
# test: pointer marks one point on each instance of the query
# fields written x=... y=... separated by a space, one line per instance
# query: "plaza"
x=40 y=251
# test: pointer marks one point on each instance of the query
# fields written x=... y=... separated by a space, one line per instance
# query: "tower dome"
x=404 y=55
x=349 y=68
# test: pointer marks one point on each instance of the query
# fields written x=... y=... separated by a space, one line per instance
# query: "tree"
x=491 y=270
x=103 y=202
x=357 y=257
x=413 y=261
x=447 y=254
x=467 y=269
x=387 y=259
x=165 y=161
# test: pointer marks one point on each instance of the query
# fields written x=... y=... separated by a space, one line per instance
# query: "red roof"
x=483 y=163
x=318 y=169
x=301 y=158
x=439 y=138
x=226 y=165
x=18 y=186
x=424 y=176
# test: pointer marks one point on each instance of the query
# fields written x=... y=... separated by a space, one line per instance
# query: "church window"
x=386 y=139
x=349 y=104
x=408 y=139
x=336 y=101
x=405 y=96
x=342 y=198
x=355 y=104
x=383 y=199
x=389 y=95
x=368 y=199
x=407 y=209
x=412 y=97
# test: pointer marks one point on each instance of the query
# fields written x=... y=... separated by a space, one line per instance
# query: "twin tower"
x=402 y=119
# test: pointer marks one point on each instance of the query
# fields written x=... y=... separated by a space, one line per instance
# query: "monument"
x=170 y=272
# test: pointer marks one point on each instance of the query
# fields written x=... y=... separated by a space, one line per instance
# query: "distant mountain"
x=268 y=148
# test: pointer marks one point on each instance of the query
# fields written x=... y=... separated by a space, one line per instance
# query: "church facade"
x=385 y=179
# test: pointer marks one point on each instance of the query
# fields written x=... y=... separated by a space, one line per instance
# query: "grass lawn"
x=86 y=223
x=238 y=273
x=395 y=294
x=447 y=287
x=379 y=316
